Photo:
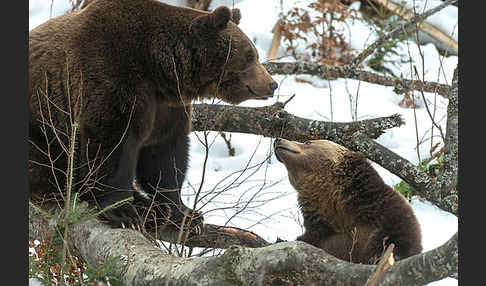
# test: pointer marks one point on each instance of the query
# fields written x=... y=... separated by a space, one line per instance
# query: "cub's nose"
x=273 y=86
x=277 y=141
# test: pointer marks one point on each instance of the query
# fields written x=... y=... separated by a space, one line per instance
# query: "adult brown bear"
x=347 y=208
x=125 y=72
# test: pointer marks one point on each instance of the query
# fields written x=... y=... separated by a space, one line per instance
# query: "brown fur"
x=127 y=71
x=348 y=210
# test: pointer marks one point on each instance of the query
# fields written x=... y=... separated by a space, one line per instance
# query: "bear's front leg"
x=112 y=134
x=113 y=190
x=161 y=172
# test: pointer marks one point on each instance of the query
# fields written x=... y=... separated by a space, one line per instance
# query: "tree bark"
x=441 y=261
x=274 y=121
x=286 y=263
x=449 y=195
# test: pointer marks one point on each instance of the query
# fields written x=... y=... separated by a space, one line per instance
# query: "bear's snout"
x=273 y=86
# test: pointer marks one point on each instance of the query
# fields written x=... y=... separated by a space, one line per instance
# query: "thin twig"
x=416 y=19
x=427 y=108
x=386 y=262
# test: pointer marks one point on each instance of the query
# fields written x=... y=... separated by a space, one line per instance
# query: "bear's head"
x=230 y=68
x=311 y=161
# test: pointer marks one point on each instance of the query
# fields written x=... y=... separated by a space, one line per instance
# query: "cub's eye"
x=308 y=142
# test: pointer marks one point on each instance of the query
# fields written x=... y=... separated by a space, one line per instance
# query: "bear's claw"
x=122 y=216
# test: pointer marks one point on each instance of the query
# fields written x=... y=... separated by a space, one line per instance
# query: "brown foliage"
x=331 y=47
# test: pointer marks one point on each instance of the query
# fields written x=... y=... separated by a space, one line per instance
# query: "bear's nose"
x=277 y=140
x=273 y=86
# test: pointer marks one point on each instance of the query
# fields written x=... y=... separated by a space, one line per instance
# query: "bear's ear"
x=212 y=22
x=220 y=17
x=236 y=16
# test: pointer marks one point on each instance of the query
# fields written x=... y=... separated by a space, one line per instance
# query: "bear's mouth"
x=283 y=148
x=256 y=95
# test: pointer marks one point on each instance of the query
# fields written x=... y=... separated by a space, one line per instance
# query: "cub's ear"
x=236 y=16
x=212 y=22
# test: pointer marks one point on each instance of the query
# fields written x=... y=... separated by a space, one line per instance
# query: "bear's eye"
x=308 y=142
x=250 y=57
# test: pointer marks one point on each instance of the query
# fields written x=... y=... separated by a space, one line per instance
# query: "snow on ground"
x=251 y=190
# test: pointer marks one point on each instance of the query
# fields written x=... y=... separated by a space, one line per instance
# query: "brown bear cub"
x=347 y=208
x=126 y=72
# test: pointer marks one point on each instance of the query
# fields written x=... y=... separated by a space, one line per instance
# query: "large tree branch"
x=214 y=236
x=330 y=72
x=286 y=263
x=274 y=121
x=439 y=262
x=451 y=149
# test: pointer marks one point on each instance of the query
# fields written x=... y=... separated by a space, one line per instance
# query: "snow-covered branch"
x=286 y=263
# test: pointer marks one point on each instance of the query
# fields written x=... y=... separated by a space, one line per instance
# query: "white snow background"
x=261 y=198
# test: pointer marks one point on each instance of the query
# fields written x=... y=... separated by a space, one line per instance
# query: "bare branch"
x=274 y=121
x=216 y=236
x=330 y=72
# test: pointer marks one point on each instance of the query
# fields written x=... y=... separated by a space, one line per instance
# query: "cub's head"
x=230 y=69
x=309 y=161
